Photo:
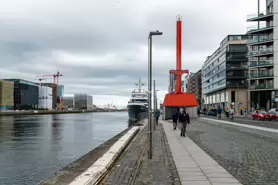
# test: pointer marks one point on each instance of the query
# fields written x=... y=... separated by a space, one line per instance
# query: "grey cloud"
x=35 y=30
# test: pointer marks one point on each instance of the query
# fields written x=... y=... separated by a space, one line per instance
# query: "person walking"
x=157 y=114
x=184 y=121
x=175 y=118
x=219 y=111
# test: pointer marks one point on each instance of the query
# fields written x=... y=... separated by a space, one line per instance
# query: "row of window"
x=218 y=68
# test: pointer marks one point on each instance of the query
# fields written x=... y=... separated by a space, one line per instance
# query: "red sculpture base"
x=180 y=99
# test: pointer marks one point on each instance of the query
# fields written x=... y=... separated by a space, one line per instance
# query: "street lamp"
x=150 y=88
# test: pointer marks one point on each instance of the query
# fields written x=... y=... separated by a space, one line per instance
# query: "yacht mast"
x=139 y=85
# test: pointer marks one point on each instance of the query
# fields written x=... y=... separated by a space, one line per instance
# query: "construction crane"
x=55 y=76
x=41 y=79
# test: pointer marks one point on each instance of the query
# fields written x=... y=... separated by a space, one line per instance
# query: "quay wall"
x=39 y=112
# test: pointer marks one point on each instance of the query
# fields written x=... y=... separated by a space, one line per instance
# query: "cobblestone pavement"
x=249 y=155
x=160 y=170
x=249 y=121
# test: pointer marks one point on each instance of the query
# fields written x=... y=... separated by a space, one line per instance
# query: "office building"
x=26 y=94
x=69 y=102
x=263 y=56
x=6 y=95
x=196 y=89
x=55 y=98
x=83 y=101
x=45 y=98
x=172 y=84
x=225 y=74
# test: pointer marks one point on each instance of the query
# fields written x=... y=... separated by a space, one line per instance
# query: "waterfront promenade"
x=176 y=160
x=214 y=152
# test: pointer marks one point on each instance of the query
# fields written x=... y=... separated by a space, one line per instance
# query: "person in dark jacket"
x=184 y=120
x=175 y=116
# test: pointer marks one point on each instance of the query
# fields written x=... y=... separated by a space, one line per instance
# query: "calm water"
x=34 y=147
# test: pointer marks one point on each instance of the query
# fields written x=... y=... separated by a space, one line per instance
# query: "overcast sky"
x=100 y=46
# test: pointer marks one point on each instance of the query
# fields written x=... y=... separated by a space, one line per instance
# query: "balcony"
x=261 y=52
x=255 y=29
x=264 y=74
x=261 y=86
x=262 y=39
x=236 y=67
x=262 y=16
x=262 y=63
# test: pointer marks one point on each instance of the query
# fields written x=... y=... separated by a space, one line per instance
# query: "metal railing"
x=261 y=75
x=261 y=63
x=261 y=38
x=255 y=27
x=261 y=51
x=262 y=86
x=261 y=14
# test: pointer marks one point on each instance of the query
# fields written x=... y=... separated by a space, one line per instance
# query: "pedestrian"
x=179 y=114
x=184 y=121
x=174 y=118
x=227 y=112
x=219 y=111
x=241 y=112
x=198 y=112
x=157 y=114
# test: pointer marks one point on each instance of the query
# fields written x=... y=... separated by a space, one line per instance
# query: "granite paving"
x=250 y=155
x=134 y=167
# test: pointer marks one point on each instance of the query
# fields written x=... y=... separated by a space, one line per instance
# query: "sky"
x=101 y=46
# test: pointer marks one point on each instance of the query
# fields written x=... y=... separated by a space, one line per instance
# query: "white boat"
x=138 y=103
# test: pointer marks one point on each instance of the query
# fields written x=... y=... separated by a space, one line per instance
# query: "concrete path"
x=194 y=166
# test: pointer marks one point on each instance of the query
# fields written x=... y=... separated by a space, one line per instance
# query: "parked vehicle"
x=262 y=115
x=212 y=112
x=273 y=114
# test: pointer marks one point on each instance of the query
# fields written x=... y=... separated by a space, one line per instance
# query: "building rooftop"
x=22 y=81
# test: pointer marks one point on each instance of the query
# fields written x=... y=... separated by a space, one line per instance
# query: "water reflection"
x=34 y=147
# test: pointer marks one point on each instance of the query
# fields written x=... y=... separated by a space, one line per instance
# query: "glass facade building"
x=224 y=73
x=263 y=56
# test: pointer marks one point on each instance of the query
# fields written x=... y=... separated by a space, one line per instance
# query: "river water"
x=34 y=147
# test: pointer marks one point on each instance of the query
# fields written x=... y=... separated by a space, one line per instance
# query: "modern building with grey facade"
x=26 y=94
x=196 y=83
x=263 y=56
x=69 y=102
x=83 y=101
x=224 y=74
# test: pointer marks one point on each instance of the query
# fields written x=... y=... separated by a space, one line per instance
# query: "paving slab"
x=187 y=155
x=134 y=167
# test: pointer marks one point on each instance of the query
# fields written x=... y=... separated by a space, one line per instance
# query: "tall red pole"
x=179 y=54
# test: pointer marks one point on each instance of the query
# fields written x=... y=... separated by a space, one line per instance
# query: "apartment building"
x=172 y=84
x=196 y=83
x=224 y=74
x=190 y=84
x=185 y=83
x=263 y=56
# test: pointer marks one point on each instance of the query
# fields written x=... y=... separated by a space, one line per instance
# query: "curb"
x=99 y=169
x=244 y=125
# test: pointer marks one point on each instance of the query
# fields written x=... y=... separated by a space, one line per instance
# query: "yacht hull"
x=137 y=112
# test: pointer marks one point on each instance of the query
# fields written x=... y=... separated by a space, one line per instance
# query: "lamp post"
x=150 y=89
